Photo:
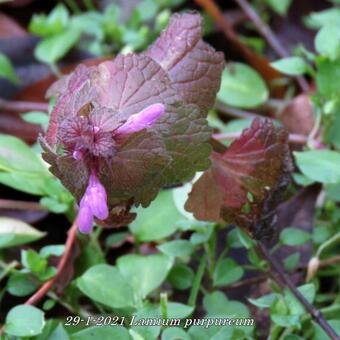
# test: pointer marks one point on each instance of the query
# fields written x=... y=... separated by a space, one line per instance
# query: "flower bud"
x=85 y=217
x=97 y=198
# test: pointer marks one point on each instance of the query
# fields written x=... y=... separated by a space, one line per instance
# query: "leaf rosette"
x=125 y=128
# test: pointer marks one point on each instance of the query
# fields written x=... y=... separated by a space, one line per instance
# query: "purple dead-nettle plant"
x=122 y=130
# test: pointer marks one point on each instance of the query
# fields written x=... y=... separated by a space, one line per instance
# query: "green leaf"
x=24 y=321
x=16 y=155
x=105 y=284
x=280 y=6
x=54 y=205
x=333 y=192
x=331 y=134
x=318 y=19
x=56 y=250
x=37 y=264
x=322 y=233
x=233 y=239
x=147 y=9
x=116 y=239
x=147 y=312
x=53 y=48
x=179 y=248
x=178 y=310
x=55 y=23
x=14 y=232
x=294 y=236
x=264 y=301
x=320 y=333
x=59 y=333
x=7 y=70
x=320 y=165
x=291 y=261
x=102 y=333
x=20 y=284
x=158 y=220
x=48 y=305
x=242 y=86
x=291 y=66
x=181 y=276
x=293 y=337
x=210 y=333
x=49 y=330
x=36 y=117
x=144 y=273
x=202 y=234
x=217 y=304
x=226 y=272
x=174 y=333
x=328 y=77
x=245 y=240
x=285 y=320
x=327 y=41
x=21 y=168
x=92 y=24
x=295 y=307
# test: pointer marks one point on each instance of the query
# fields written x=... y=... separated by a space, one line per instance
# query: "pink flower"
x=85 y=217
x=141 y=120
x=93 y=204
x=82 y=137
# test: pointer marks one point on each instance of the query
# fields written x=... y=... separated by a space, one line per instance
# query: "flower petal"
x=85 y=217
x=97 y=198
x=141 y=120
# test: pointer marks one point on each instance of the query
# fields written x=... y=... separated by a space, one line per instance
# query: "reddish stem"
x=43 y=290
x=258 y=62
x=316 y=314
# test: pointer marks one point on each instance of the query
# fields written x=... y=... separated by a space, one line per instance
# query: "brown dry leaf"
x=298 y=116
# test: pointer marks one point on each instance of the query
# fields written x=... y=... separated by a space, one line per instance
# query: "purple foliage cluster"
x=125 y=128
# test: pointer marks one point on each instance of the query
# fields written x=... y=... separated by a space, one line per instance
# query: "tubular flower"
x=94 y=201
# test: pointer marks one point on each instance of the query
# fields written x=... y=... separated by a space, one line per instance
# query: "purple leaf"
x=193 y=66
x=245 y=183
x=125 y=121
x=71 y=100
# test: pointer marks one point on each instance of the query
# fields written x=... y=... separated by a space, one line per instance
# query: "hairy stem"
x=316 y=314
x=44 y=289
